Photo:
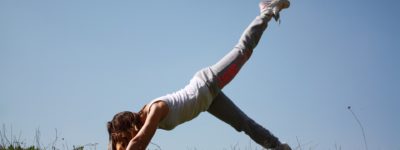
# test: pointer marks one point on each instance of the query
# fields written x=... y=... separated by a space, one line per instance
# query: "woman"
x=133 y=131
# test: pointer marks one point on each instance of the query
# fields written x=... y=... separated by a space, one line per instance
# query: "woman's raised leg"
x=227 y=68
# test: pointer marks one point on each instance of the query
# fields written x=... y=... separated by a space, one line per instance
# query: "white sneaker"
x=273 y=7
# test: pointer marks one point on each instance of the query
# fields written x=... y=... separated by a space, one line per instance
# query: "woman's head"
x=122 y=128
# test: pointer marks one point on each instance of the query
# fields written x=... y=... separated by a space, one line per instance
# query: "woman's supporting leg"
x=227 y=68
x=224 y=109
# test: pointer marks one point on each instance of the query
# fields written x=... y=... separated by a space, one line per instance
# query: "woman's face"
x=121 y=145
x=123 y=127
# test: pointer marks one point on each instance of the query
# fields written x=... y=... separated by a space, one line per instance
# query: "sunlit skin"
x=150 y=116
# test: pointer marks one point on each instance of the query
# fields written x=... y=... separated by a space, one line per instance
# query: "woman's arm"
x=157 y=111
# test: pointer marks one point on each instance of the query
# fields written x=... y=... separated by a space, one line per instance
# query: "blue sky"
x=72 y=65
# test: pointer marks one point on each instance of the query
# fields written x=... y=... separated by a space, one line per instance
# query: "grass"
x=9 y=141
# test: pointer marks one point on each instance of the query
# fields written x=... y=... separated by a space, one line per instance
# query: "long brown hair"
x=120 y=128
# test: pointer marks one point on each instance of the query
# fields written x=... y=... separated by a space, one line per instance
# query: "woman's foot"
x=272 y=8
x=283 y=146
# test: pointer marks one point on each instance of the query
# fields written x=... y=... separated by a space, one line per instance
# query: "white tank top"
x=185 y=104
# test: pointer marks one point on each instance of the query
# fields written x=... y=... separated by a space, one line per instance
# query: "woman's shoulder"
x=157 y=106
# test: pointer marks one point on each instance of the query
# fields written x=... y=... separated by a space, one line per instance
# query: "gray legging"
x=220 y=74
